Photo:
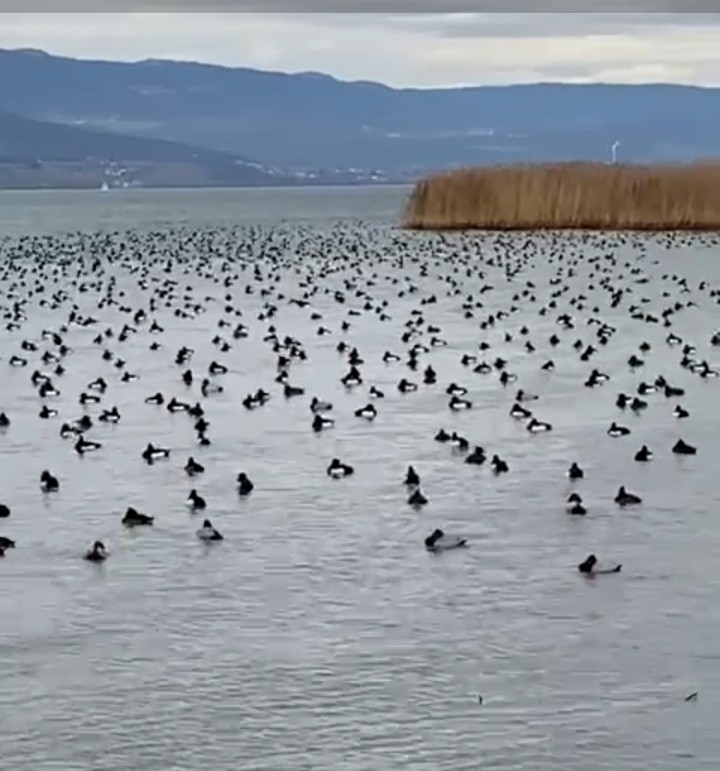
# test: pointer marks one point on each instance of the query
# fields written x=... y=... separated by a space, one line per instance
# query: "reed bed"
x=587 y=196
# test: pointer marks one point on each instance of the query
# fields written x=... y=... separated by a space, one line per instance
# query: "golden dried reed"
x=590 y=196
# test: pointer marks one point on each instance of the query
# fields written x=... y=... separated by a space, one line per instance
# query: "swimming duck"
x=84 y=445
x=319 y=406
x=589 y=567
x=405 y=386
x=192 y=467
x=429 y=376
x=208 y=388
x=99 y=384
x=412 y=478
x=208 y=533
x=6 y=543
x=455 y=390
x=458 y=403
x=459 y=442
x=97 y=553
x=442 y=436
x=417 y=498
x=289 y=391
x=615 y=430
x=48 y=483
x=519 y=412
x=476 y=457
x=152 y=453
x=499 y=465
x=133 y=518
x=576 y=505
x=110 y=416
x=216 y=368
x=245 y=486
x=376 y=393
x=338 y=470
x=575 y=472
x=157 y=398
x=4 y=511
x=46 y=413
x=196 y=501
x=438 y=542
x=176 y=406
x=680 y=412
x=683 y=448
x=368 y=412
x=643 y=454
x=537 y=426
x=637 y=405
x=624 y=498
x=622 y=401
x=4 y=420
x=521 y=396
x=320 y=422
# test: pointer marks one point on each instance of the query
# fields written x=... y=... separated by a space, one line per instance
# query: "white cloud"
x=411 y=49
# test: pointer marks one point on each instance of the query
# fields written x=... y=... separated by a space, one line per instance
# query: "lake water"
x=321 y=634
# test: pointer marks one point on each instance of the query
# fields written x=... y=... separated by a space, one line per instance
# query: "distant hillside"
x=310 y=121
x=36 y=153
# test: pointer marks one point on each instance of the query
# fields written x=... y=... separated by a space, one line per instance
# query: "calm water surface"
x=320 y=634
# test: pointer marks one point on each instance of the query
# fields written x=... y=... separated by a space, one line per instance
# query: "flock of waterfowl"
x=111 y=288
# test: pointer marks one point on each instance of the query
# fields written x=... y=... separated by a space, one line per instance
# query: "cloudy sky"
x=409 y=45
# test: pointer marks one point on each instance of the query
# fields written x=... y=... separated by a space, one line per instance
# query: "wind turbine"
x=613 y=151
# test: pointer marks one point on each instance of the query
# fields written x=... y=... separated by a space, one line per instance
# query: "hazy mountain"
x=311 y=121
x=38 y=153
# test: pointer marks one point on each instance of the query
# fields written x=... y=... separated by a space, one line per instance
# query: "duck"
x=376 y=393
x=47 y=413
x=680 y=412
x=537 y=426
x=522 y=396
x=455 y=390
x=216 y=368
x=442 y=436
x=368 y=412
x=320 y=422
x=575 y=472
x=576 y=505
x=245 y=486
x=437 y=541
x=406 y=387
x=152 y=453
x=499 y=465
x=84 y=445
x=643 y=455
x=289 y=391
x=196 y=501
x=4 y=511
x=624 y=498
x=459 y=442
x=417 y=498
x=6 y=543
x=208 y=533
x=316 y=405
x=133 y=518
x=476 y=457
x=4 y=420
x=192 y=467
x=519 y=412
x=615 y=430
x=97 y=553
x=157 y=398
x=683 y=448
x=412 y=478
x=338 y=470
x=110 y=416
x=176 y=406
x=208 y=388
x=458 y=403
x=48 y=483
x=589 y=567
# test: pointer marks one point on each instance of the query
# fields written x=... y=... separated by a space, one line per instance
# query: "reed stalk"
x=584 y=196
